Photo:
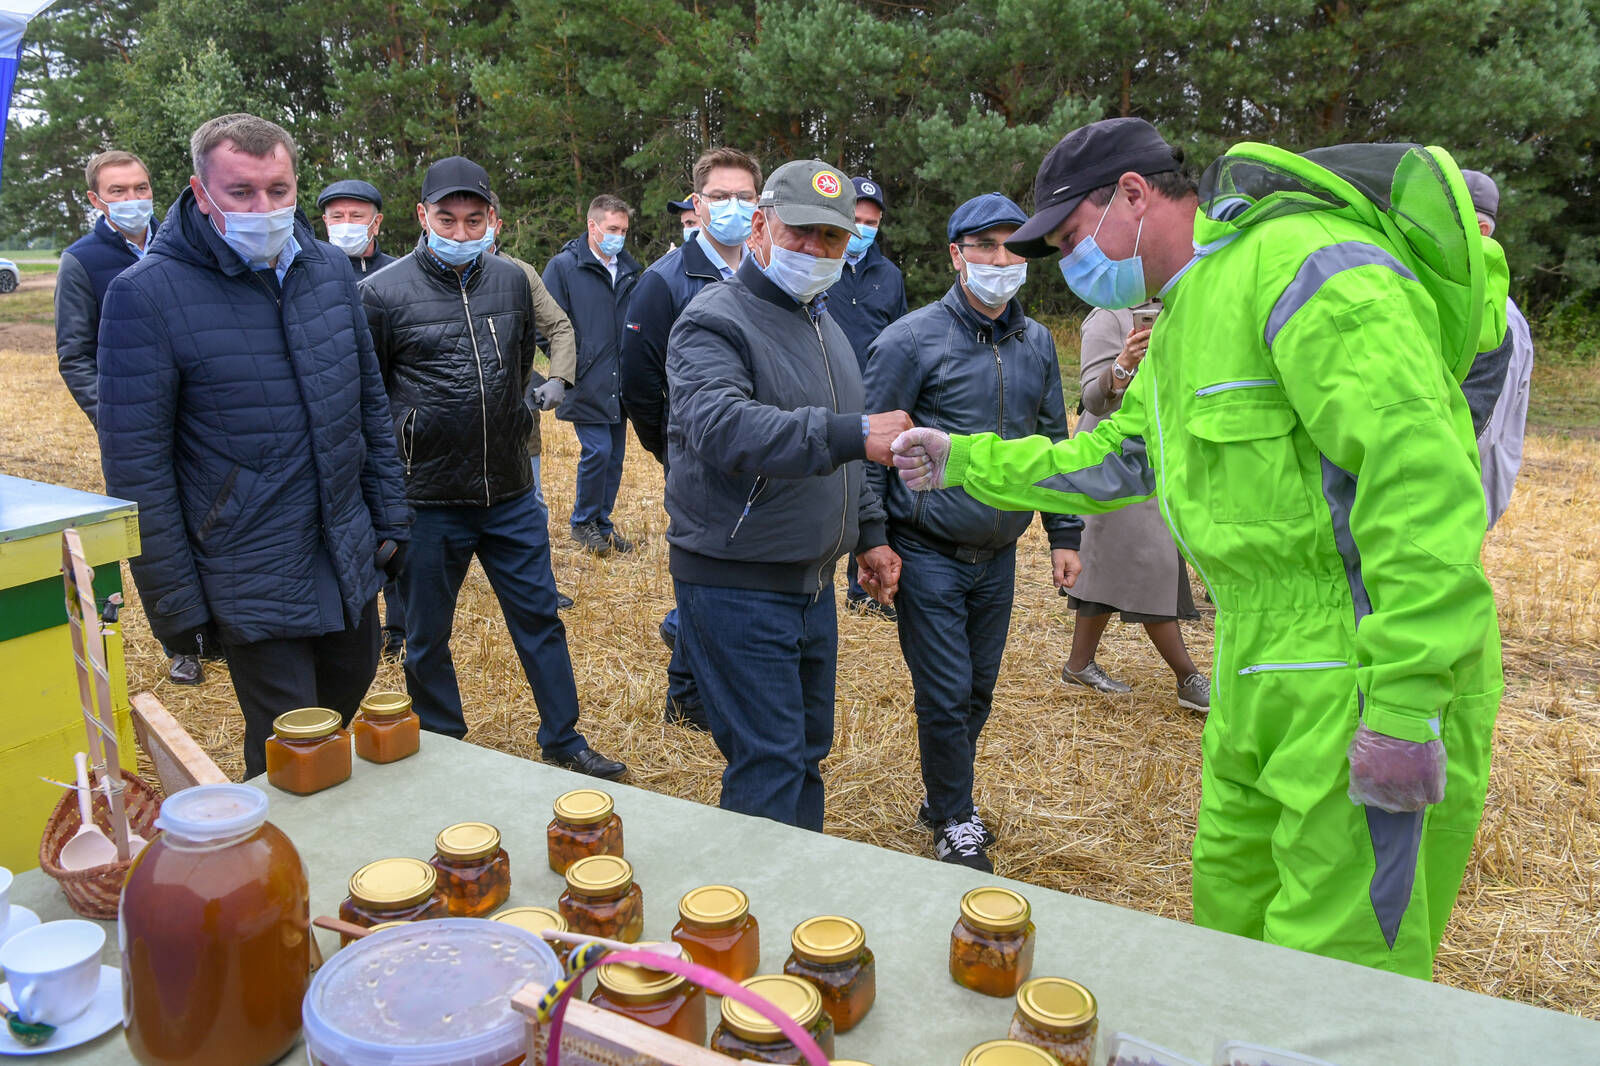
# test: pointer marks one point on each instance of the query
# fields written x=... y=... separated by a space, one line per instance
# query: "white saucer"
x=21 y=918
x=103 y=1013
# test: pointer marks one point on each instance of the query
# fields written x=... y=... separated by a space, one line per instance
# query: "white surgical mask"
x=801 y=275
x=258 y=236
x=351 y=238
x=689 y=233
x=994 y=286
x=130 y=216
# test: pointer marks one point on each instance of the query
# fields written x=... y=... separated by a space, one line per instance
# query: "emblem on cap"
x=826 y=183
x=867 y=186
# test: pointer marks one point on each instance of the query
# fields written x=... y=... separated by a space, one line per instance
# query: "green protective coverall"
x=1300 y=420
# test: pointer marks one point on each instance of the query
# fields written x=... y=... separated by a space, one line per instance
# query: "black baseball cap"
x=867 y=189
x=453 y=175
x=1089 y=158
x=351 y=189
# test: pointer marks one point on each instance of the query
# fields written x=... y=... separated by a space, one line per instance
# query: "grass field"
x=1090 y=795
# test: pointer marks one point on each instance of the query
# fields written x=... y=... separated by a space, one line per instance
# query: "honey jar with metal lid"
x=831 y=952
x=1007 y=1053
x=601 y=899
x=392 y=890
x=1059 y=1016
x=745 y=1034
x=538 y=921
x=991 y=946
x=585 y=824
x=309 y=750
x=663 y=1001
x=718 y=931
x=386 y=729
x=474 y=870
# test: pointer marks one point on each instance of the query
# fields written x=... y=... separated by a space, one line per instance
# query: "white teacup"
x=5 y=898
x=53 y=969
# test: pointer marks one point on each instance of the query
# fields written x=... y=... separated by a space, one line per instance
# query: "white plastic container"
x=434 y=993
x=1240 y=1053
x=1125 y=1049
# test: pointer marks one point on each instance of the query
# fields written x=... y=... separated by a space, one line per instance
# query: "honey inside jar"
x=663 y=1001
x=1007 y=1053
x=392 y=890
x=602 y=900
x=474 y=870
x=991 y=946
x=386 y=729
x=718 y=931
x=831 y=952
x=744 y=1034
x=308 y=751
x=585 y=824
x=1059 y=1016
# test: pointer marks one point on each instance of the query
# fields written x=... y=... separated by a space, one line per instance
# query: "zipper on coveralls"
x=483 y=395
x=1229 y=386
x=1265 y=668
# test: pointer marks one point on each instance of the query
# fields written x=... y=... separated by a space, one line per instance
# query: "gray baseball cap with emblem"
x=808 y=192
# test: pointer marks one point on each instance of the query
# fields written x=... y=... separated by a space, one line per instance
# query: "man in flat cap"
x=765 y=491
x=1300 y=417
x=352 y=215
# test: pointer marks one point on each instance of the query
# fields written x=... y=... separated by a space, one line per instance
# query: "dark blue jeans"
x=765 y=664
x=953 y=618
x=599 y=471
x=512 y=542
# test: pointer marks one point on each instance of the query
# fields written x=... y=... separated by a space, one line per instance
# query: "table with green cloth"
x=1168 y=982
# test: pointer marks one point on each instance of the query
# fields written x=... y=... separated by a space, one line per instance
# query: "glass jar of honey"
x=744 y=1034
x=585 y=824
x=1007 y=1053
x=474 y=870
x=718 y=931
x=831 y=952
x=537 y=920
x=393 y=890
x=386 y=729
x=663 y=1001
x=602 y=900
x=1059 y=1016
x=309 y=750
x=991 y=946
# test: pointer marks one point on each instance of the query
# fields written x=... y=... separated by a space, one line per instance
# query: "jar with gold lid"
x=602 y=900
x=538 y=921
x=474 y=870
x=846 y=1062
x=831 y=952
x=386 y=729
x=309 y=750
x=991 y=946
x=718 y=931
x=393 y=890
x=663 y=1001
x=1007 y=1053
x=1059 y=1016
x=745 y=1034
x=585 y=824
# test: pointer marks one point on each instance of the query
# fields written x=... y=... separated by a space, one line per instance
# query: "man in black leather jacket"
x=454 y=329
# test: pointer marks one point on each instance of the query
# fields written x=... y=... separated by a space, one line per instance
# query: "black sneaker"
x=871 y=608
x=620 y=544
x=961 y=843
x=689 y=715
x=590 y=762
x=185 y=670
x=925 y=817
x=589 y=537
x=563 y=601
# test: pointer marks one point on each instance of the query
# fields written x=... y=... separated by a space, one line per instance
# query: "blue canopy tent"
x=14 y=18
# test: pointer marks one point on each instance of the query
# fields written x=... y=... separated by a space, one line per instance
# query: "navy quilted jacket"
x=250 y=425
x=597 y=308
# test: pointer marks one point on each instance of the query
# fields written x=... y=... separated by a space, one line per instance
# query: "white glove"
x=549 y=395
x=920 y=455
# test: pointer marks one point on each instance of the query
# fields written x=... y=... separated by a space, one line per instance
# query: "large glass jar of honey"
x=663 y=1001
x=215 y=934
x=744 y=1034
x=393 y=890
x=991 y=946
x=831 y=952
x=386 y=729
x=585 y=824
x=602 y=900
x=309 y=750
x=718 y=931
x=1059 y=1016
x=1007 y=1053
x=474 y=870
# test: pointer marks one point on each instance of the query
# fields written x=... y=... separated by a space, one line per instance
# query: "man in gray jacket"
x=765 y=493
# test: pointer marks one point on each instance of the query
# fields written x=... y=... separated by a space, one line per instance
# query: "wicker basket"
x=95 y=892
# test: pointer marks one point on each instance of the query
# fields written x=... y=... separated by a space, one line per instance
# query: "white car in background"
x=10 y=276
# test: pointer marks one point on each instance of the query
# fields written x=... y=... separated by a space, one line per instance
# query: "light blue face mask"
x=130 y=216
x=256 y=236
x=689 y=233
x=799 y=274
x=730 y=221
x=611 y=244
x=459 y=253
x=1101 y=281
x=859 y=245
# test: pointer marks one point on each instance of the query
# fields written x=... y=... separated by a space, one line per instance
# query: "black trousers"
x=273 y=676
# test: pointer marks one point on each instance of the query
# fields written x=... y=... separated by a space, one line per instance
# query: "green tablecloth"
x=1171 y=983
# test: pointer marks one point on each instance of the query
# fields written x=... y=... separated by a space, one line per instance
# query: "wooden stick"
x=670 y=948
x=94 y=638
x=342 y=927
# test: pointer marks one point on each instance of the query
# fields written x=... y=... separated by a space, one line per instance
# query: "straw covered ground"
x=1090 y=795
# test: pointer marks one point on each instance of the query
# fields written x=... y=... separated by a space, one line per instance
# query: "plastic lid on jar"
x=583 y=806
x=795 y=996
x=995 y=909
x=385 y=704
x=205 y=814
x=308 y=723
x=827 y=938
x=595 y=875
x=1008 y=1053
x=466 y=841
x=713 y=905
x=401 y=997
x=1056 y=1004
x=629 y=982
x=390 y=884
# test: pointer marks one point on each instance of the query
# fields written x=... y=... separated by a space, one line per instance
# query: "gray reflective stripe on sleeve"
x=1116 y=477
x=1321 y=265
x=1396 y=842
x=1339 y=491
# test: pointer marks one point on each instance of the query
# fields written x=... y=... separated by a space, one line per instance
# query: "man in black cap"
x=352 y=215
x=455 y=332
x=682 y=212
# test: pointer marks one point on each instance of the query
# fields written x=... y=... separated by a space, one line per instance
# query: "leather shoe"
x=185 y=670
x=588 y=761
x=669 y=636
x=688 y=715
x=563 y=601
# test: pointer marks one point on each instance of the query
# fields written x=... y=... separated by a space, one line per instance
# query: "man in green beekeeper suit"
x=1300 y=418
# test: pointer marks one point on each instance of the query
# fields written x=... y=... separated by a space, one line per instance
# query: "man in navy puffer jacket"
x=241 y=407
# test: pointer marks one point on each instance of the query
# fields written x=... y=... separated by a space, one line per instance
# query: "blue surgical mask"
x=859 y=244
x=689 y=233
x=459 y=253
x=1101 y=281
x=994 y=286
x=130 y=216
x=799 y=274
x=257 y=236
x=730 y=220
x=611 y=244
